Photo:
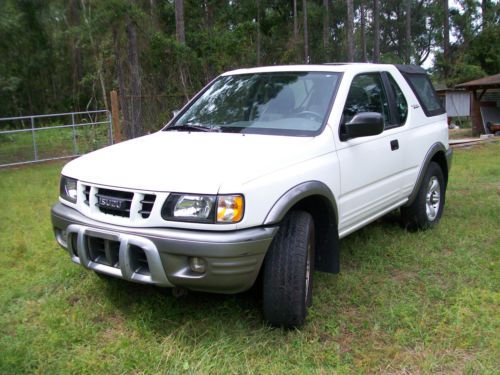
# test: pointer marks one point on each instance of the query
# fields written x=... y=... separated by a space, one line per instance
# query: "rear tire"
x=427 y=208
x=288 y=272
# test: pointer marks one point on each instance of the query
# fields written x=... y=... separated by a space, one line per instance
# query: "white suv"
x=262 y=172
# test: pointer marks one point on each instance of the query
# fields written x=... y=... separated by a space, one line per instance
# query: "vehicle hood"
x=198 y=162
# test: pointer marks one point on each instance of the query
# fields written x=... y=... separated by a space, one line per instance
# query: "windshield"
x=285 y=103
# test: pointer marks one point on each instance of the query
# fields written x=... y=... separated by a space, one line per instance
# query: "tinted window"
x=366 y=95
x=401 y=103
x=422 y=87
x=290 y=103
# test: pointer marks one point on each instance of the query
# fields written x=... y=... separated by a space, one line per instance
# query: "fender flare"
x=434 y=149
x=327 y=258
x=295 y=195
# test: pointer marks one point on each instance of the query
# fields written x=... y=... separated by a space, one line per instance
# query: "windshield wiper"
x=195 y=127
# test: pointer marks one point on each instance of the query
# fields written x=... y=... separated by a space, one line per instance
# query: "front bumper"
x=160 y=256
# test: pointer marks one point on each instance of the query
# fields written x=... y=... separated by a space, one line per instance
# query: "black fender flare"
x=327 y=257
x=295 y=195
x=433 y=150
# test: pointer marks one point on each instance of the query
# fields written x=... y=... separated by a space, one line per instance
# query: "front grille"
x=147 y=205
x=103 y=251
x=73 y=239
x=138 y=260
x=86 y=192
x=114 y=202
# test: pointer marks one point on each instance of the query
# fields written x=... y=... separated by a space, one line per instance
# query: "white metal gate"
x=31 y=139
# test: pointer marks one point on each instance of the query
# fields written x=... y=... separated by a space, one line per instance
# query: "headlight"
x=67 y=189
x=203 y=208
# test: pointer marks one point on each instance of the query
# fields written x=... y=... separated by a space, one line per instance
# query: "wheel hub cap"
x=433 y=198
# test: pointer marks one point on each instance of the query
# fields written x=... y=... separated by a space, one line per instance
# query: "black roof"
x=410 y=69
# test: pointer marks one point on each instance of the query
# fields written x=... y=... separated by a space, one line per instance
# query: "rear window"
x=423 y=89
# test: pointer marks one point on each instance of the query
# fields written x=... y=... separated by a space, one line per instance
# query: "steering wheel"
x=310 y=115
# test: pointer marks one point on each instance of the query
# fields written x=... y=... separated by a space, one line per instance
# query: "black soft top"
x=410 y=69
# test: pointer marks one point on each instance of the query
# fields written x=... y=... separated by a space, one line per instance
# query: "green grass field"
x=404 y=302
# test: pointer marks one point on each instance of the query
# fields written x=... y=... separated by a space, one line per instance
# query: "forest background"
x=67 y=55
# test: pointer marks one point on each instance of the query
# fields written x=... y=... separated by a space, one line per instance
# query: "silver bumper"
x=160 y=256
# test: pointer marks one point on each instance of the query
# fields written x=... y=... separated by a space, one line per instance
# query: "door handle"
x=394 y=145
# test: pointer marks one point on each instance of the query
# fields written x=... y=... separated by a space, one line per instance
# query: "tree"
x=376 y=31
x=179 y=21
x=350 y=30
x=135 y=128
x=408 y=32
x=362 y=17
x=258 y=33
x=446 y=37
x=326 y=25
x=295 y=23
x=306 y=32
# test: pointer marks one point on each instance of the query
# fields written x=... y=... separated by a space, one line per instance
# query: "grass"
x=404 y=302
x=460 y=133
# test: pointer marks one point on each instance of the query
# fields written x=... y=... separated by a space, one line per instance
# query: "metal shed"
x=479 y=88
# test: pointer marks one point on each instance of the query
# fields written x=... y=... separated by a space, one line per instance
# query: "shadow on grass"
x=158 y=311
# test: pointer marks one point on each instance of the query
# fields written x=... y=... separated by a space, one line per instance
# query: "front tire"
x=427 y=208
x=288 y=272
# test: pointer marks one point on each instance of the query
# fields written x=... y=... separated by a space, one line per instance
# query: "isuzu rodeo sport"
x=261 y=173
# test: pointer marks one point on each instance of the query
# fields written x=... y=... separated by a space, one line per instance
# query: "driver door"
x=370 y=167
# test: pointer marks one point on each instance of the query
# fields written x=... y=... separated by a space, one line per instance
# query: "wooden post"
x=477 y=122
x=115 y=112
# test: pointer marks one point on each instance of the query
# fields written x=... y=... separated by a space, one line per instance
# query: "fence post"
x=75 y=151
x=35 y=149
x=115 y=111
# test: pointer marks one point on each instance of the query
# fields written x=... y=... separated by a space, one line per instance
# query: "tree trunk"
x=209 y=24
x=446 y=37
x=152 y=14
x=363 y=32
x=134 y=80
x=209 y=16
x=295 y=25
x=120 y=75
x=376 y=31
x=179 y=21
x=484 y=12
x=326 y=26
x=350 y=30
x=77 y=56
x=306 y=36
x=258 y=33
x=97 y=56
x=408 y=32
x=181 y=38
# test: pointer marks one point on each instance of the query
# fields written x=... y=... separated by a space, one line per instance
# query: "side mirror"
x=362 y=125
x=175 y=112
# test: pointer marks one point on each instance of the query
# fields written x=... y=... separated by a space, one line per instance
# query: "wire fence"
x=31 y=139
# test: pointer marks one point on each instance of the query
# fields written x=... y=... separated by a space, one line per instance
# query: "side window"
x=425 y=93
x=366 y=94
x=401 y=103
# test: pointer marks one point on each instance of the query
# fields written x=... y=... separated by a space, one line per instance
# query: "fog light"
x=197 y=265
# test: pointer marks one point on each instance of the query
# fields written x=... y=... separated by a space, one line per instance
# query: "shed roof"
x=485 y=82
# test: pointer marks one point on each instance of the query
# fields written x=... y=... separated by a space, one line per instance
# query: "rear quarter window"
x=427 y=97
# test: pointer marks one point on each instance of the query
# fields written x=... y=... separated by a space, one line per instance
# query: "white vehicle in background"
x=261 y=173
